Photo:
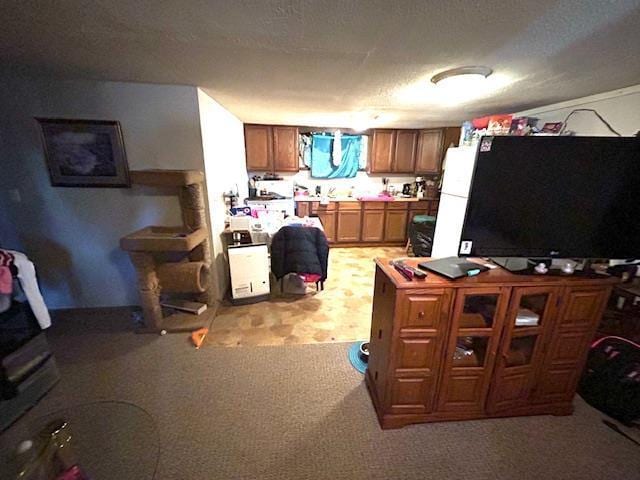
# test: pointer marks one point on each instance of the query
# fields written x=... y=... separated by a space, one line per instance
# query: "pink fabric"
x=310 y=277
x=6 y=282
x=376 y=198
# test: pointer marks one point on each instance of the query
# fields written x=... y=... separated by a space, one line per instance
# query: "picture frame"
x=84 y=153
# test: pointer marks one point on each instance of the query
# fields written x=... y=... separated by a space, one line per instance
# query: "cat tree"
x=173 y=260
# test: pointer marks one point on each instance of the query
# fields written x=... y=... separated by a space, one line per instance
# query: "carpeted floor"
x=287 y=412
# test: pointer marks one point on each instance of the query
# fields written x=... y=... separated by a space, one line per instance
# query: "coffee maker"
x=419 y=187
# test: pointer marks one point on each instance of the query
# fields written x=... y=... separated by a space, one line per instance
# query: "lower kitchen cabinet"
x=328 y=219
x=348 y=228
x=353 y=222
x=373 y=225
x=494 y=345
x=395 y=225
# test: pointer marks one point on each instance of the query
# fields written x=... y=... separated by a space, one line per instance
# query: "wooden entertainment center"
x=493 y=345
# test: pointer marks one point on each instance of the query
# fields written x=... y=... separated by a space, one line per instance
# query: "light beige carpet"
x=291 y=412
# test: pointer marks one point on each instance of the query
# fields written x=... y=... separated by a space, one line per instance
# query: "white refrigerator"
x=456 y=183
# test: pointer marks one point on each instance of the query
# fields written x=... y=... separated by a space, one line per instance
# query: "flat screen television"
x=545 y=197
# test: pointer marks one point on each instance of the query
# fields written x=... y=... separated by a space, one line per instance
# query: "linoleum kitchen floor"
x=339 y=313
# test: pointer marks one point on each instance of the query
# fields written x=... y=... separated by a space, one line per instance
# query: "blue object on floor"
x=354 y=357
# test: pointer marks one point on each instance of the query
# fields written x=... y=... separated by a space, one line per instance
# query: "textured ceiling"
x=335 y=62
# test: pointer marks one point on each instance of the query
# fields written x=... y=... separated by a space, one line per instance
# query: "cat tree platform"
x=150 y=247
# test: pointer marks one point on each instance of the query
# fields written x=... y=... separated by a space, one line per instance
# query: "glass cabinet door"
x=477 y=322
x=530 y=310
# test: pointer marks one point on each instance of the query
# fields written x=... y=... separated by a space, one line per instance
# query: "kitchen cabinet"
x=450 y=138
x=328 y=220
x=408 y=151
x=348 y=223
x=429 y=152
x=406 y=145
x=271 y=148
x=373 y=225
x=395 y=225
x=303 y=209
x=351 y=222
x=258 y=147
x=382 y=151
x=494 y=345
x=285 y=149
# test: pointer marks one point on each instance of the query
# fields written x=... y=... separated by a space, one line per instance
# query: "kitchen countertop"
x=309 y=198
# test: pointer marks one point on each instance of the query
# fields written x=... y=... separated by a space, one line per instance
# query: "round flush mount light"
x=462 y=76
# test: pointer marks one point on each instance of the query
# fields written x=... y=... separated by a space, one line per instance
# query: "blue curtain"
x=321 y=159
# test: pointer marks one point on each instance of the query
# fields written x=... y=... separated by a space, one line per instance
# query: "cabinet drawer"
x=423 y=311
x=373 y=205
x=397 y=205
x=316 y=207
x=416 y=356
x=419 y=205
x=349 y=206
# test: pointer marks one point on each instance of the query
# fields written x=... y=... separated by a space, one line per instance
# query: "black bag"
x=611 y=381
x=421 y=236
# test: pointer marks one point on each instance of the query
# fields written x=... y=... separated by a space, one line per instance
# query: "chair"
x=300 y=250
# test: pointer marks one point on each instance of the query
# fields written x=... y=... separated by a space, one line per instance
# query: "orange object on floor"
x=198 y=336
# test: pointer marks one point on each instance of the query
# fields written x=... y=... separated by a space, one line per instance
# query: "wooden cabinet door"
x=429 y=156
x=258 y=146
x=348 y=225
x=395 y=225
x=478 y=316
x=567 y=343
x=450 y=138
x=328 y=219
x=285 y=149
x=373 y=225
x=405 y=151
x=531 y=310
x=303 y=209
x=419 y=335
x=382 y=151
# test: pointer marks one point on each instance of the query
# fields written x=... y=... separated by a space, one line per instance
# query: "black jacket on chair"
x=299 y=250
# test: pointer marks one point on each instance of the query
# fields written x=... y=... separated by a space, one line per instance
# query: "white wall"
x=621 y=108
x=72 y=234
x=225 y=168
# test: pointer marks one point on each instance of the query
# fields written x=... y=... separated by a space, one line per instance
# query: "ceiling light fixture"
x=462 y=76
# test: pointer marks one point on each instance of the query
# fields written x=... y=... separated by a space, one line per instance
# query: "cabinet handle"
x=420 y=315
x=384 y=287
x=379 y=334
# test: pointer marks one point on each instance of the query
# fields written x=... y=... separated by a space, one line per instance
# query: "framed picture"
x=84 y=153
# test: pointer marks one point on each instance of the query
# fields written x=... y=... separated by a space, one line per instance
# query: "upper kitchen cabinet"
x=285 y=149
x=417 y=152
x=405 y=151
x=258 y=145
x=271 y=148
x=382 y=151
x=429 y=156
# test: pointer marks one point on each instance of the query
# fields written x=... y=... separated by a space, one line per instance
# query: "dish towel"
x=29 y=284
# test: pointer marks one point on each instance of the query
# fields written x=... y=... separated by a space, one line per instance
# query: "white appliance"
x=249 y=269
x=456 y=183
x=283 y=188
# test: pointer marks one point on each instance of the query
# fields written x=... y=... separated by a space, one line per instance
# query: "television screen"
x=565 y=197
